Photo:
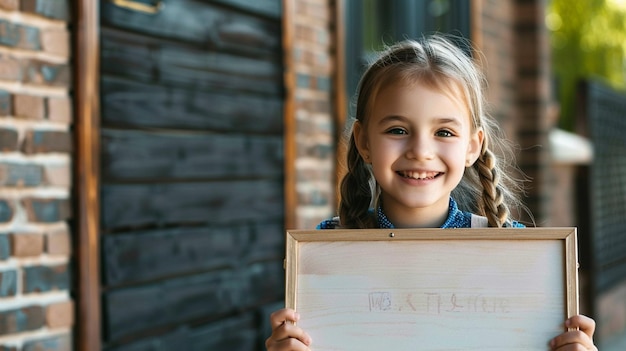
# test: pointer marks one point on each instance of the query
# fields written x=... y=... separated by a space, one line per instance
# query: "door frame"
x=86 y=192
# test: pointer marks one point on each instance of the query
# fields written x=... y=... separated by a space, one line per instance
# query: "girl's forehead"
x=395 y=90
x=438 y=83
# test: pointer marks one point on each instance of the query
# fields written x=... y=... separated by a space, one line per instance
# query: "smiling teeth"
x=419 y=175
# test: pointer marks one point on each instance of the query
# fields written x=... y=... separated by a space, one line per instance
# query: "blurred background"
x=154 y=152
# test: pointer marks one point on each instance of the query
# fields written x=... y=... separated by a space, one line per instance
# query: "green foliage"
x=588 y=41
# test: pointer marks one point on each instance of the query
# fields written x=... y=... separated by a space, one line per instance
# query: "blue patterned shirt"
x=456 y=219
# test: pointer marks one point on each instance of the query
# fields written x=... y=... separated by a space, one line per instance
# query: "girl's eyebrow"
x=437 y=120
x=449 y=120
x=392 y=118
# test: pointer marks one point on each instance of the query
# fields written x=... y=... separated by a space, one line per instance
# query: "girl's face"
x=418 y=141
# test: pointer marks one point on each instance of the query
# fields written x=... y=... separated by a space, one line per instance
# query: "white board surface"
x=462 y=292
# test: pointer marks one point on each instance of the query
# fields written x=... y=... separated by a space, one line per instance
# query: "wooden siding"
x=192 y=198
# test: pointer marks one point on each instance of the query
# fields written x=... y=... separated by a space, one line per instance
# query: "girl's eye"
x=444 y=133
x=397 y=131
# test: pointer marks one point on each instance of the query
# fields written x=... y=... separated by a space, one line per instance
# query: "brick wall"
x=36 y=310
x=534 y=103
x=515 y=44
x=496 y=43
x=315 y=126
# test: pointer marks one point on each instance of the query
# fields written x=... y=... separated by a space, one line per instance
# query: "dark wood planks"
x=192 y=195
x=235 y=333
x=204 y=24
x=127 y=206
x=191 y=298
x=269 y=8
x=176 y=64
x=129 y=104
x=140 y=155
x=140 y=256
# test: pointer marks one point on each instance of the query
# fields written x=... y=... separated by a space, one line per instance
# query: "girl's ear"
x=360 y=140
x=475 y=147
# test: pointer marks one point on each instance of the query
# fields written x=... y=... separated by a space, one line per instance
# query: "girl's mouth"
x=419 y=175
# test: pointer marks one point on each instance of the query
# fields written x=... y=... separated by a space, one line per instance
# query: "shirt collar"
x=456 y=218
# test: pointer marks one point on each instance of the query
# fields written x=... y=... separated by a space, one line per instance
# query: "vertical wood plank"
x=476 y=25
x=289 y=115
x=291 y=267
x=341 y=102
x=86 y=194
x=571 y=249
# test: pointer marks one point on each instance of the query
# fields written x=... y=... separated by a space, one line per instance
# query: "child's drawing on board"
x=424 y=154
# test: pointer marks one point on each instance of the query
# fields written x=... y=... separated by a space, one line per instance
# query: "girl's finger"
x=287 y=345
x=581 y=329
x=290 y=331
x=279 y=317
x=571 y=339
x=584 y=323
x=288 y=337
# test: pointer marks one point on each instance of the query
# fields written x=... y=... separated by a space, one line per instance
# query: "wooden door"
x=191 y=172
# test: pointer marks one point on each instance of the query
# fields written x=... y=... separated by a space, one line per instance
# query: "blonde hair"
x=486 y=188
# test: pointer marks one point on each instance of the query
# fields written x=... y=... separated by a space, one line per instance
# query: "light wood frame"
x=327 y=262
x=289 y=111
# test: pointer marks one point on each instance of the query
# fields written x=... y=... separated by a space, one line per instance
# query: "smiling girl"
x=420 y=155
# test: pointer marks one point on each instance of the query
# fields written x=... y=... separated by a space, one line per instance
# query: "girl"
x=420 y=155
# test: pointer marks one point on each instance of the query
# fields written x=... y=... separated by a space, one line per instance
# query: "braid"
x=356 y=194
x=493 y=205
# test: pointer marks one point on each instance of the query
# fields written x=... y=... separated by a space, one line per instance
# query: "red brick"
x=43 y=210
x=5 y=246
x=10 y=69
x=10 y=5
x=28 y=38
x=6 y=103
x=21 y=320
x=19 y=174
x=59 y=243
x=57 y=175
x=45 y=73
x=59 y=109
x=7 y=210
x=8 y=140
x=26 y=244
x=50 y=343
x=530 y=13
x=8 y=283
x=45 y=278
x=57 y=9
x=55 y=41
x=533 y=87
x=60 y=315
x=28 y=106
x=9 y=33
x=44 y=141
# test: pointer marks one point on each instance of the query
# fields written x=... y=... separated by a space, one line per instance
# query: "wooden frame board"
x=432 y=289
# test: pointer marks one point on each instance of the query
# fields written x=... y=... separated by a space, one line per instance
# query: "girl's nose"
x=420 y=148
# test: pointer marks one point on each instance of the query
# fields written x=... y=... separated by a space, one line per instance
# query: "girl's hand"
x=581 y=339
x=285 y=335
